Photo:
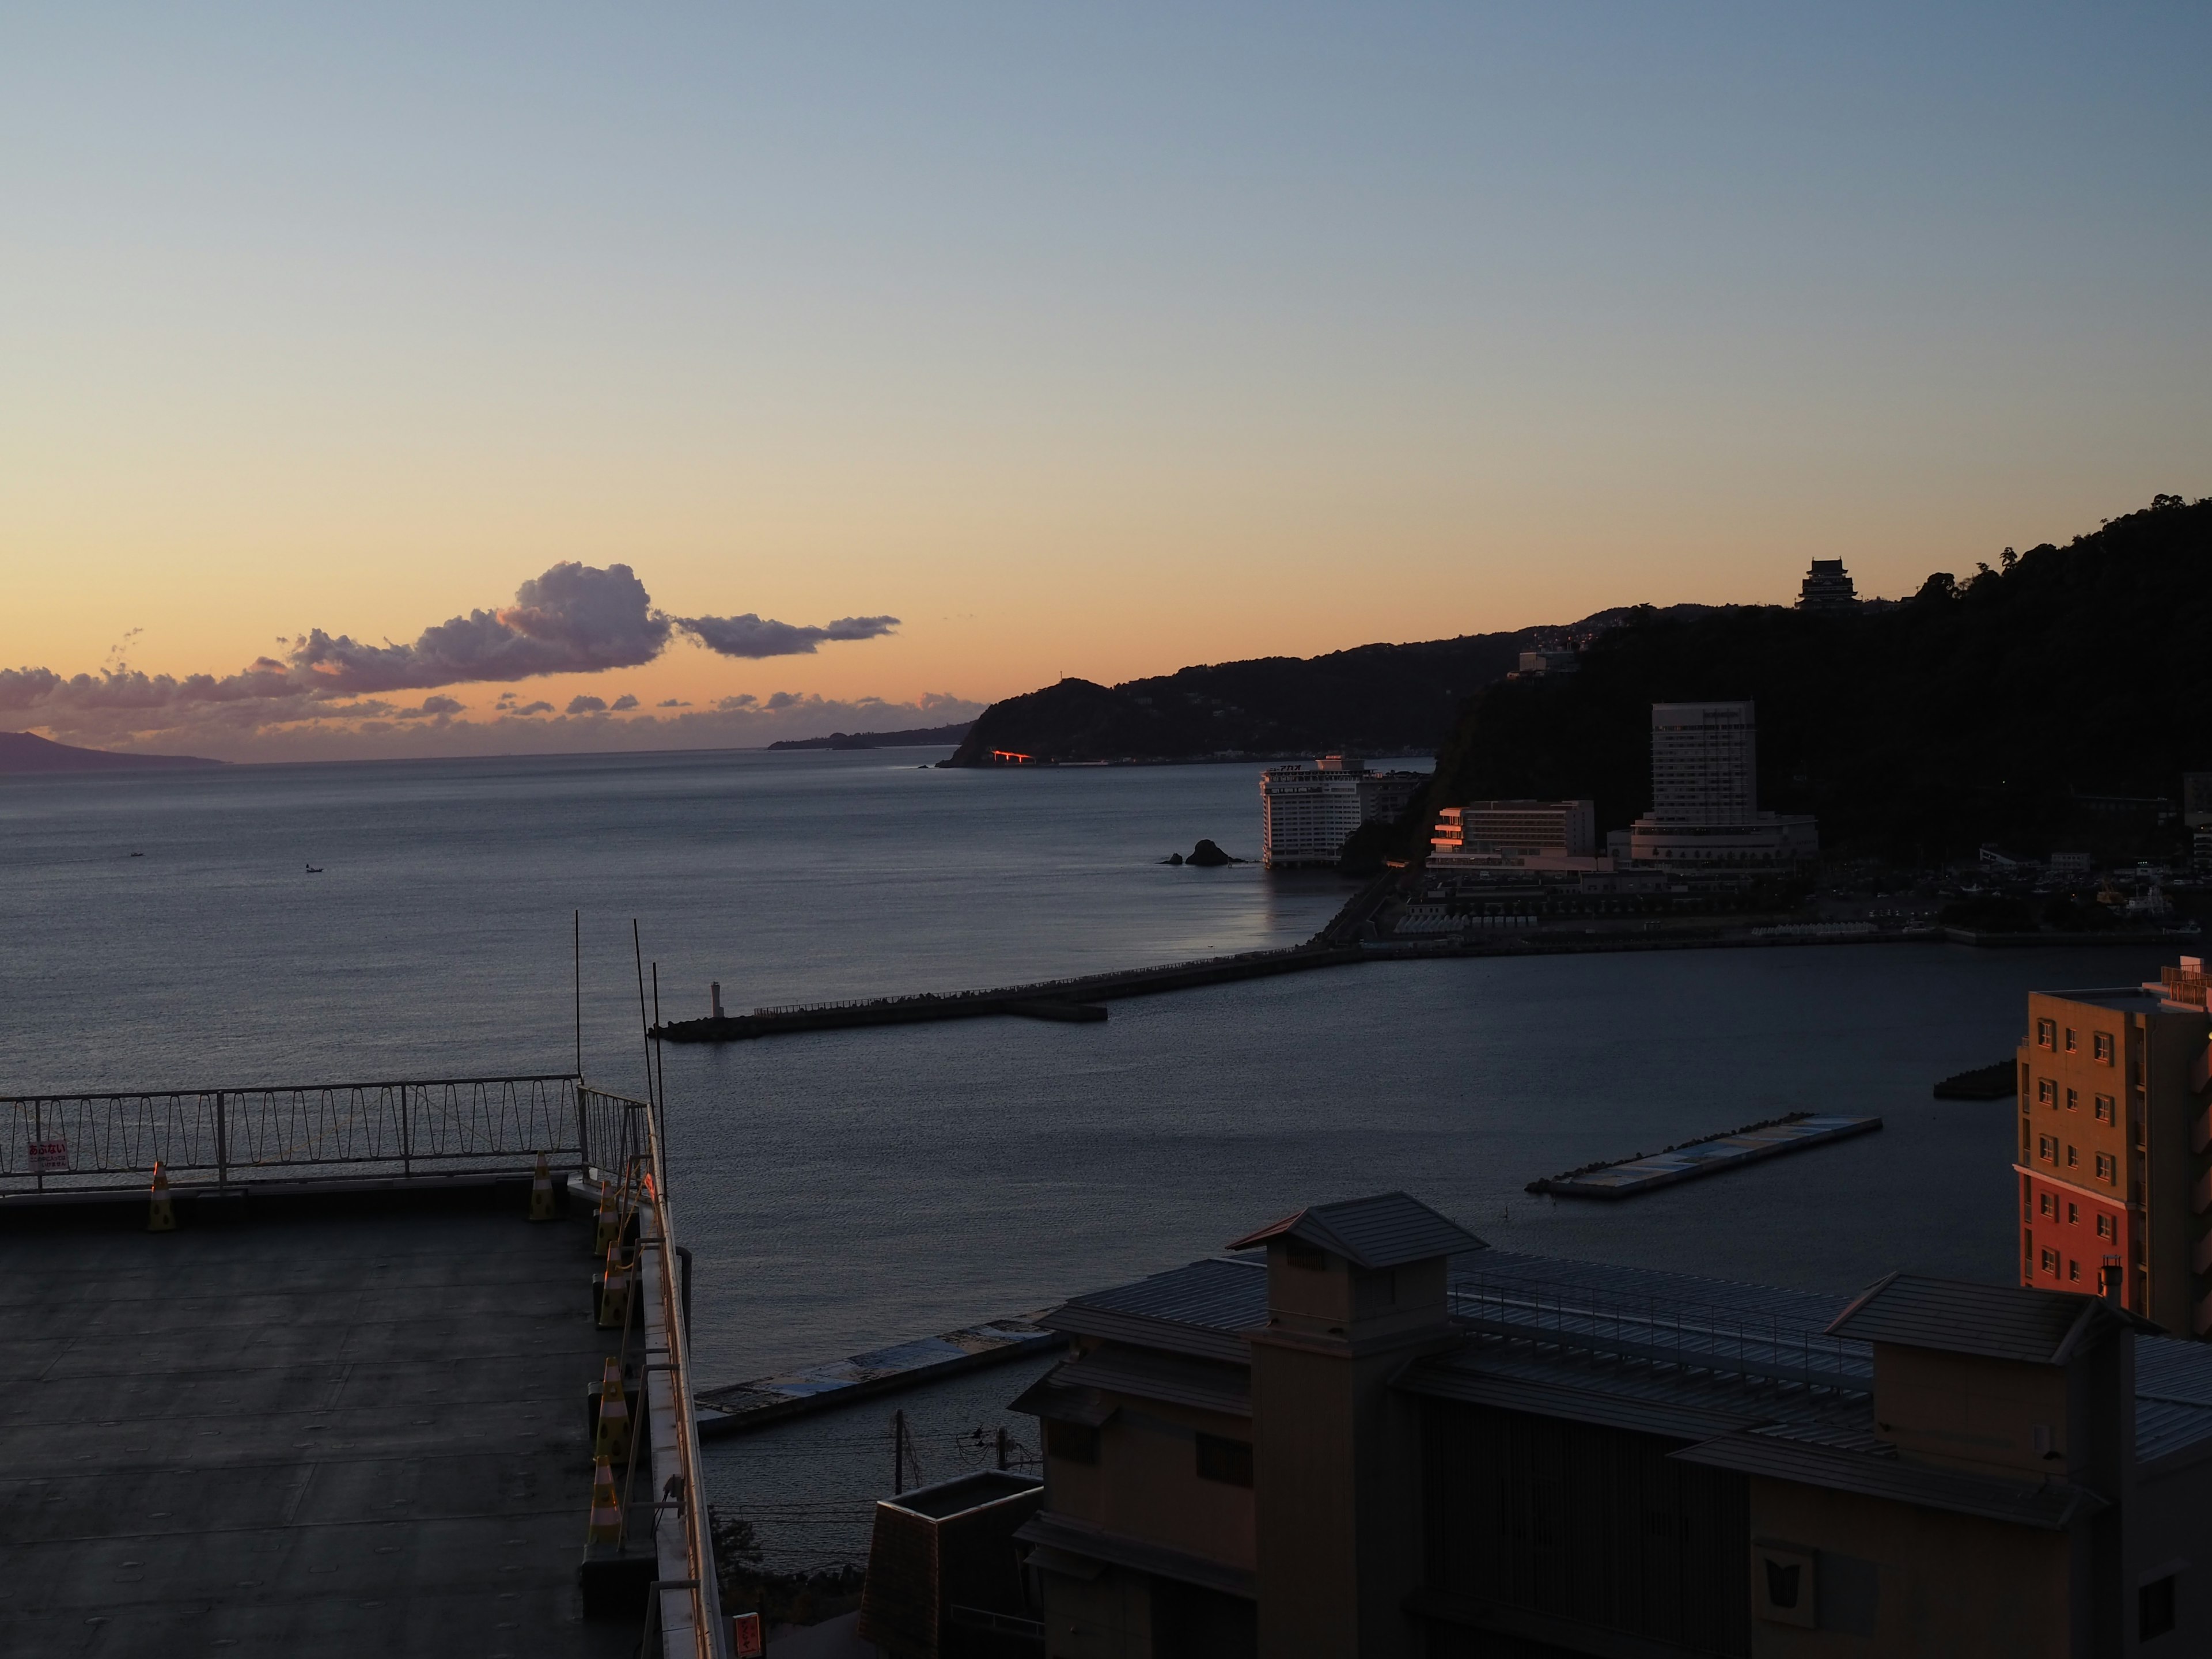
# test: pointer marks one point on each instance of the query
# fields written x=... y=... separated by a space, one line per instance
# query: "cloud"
x=749 y=636
x=535 y=708
x=587 y=705
x=672 y=703
x=573 y=619
x=624 y=702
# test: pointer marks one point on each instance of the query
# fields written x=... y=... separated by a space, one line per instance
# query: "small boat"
x=314 y=869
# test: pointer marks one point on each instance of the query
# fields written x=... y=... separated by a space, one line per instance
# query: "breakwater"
x=1072 y=999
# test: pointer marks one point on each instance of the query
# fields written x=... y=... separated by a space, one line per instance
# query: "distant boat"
x=314 y=869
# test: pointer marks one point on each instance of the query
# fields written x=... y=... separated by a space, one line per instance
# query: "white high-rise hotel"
x=1704 y=793
x=1307 y=812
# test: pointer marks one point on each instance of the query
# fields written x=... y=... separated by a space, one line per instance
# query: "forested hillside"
x=1982 y=709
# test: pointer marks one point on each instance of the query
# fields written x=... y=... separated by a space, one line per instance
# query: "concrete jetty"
x=1709 y=1155
x=744 y=1406
x=1071 y=1000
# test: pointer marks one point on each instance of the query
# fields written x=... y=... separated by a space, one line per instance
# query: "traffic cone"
x=160 y=1217
x=614 y=1291
x=613 y=1437
x=606 y=1508
x=541 y=1193
x=610 y=1228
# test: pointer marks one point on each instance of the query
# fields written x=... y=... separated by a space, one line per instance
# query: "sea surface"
x=843 y=1190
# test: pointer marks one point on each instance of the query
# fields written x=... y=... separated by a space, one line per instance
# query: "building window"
x=1073 y=1443
x=2046 y=1034
x=2104 y=1227
x=2046 y=1204
x=2073 y=1215
x=2074 y=1271
x=1229 y=1461
x=2154 y=1608
x=2073 y=1101
x=2100 y=1047
x=2105 y=1112
x=2108 y=1167
x=2046 y=1092
x=2051 y=1262
x=2047 y=1148
x=2074 y=1157
x=2071 y=1045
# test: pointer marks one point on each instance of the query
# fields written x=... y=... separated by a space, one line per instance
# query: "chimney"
x=714 y=990
x=2113 y=1282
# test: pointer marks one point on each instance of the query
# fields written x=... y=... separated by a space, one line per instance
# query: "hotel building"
x=1391 y=1442
x=1705 y=795
x=1492 y=832
x=2115 y=1152
x=1307 y=812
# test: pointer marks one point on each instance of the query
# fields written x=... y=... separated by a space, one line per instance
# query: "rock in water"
x=1207 y=856
x=1172 y=858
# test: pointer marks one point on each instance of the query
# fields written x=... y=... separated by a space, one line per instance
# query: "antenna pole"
x=660 y=1067
x=637 y=950
x=576 y=947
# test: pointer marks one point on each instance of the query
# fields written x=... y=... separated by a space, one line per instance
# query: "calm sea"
x=847 y=1189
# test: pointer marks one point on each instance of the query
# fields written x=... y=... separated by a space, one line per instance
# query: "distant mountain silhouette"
x=1371 y=700
x=23 y=751
x=919 y=737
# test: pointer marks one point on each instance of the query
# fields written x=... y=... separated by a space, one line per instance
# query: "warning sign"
x=745 y=1636
x=50 y=1158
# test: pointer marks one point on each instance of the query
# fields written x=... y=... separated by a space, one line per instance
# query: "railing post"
x=38 y=1142
x=406 y=1133
x=583 y=1130
x=222 y=1145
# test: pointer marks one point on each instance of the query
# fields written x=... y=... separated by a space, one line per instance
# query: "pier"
x=1076 y=999
x=745 y=1406
x=1710 y=1154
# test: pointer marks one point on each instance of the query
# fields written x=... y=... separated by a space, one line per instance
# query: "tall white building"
x=1307 y=812
x=1704 y=794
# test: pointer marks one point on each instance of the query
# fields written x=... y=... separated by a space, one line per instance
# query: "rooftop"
x=1998 y=1322
x=333 y=1434
x=1387 y=1231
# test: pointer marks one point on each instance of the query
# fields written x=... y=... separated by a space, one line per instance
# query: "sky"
x=346 y=354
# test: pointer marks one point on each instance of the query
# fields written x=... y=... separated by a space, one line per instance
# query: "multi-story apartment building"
x=1704 y=794
x=2115 y=1154
x=1390 y=1442
x=1307 y=812
x=1513 y=829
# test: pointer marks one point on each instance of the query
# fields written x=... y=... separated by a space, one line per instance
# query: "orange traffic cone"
x=610 y=1228
x=541 y=1193
x=606 y=1508
x=614 y=1291
x=160 y=1216
x=613 y=1437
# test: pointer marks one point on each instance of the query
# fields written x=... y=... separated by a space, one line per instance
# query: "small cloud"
x=587 y=705
x=624 y=703
x=782 y=700
x=731 y=705
x=672 y=703
x=751 y=636
x=535 y=708
x=431 y=709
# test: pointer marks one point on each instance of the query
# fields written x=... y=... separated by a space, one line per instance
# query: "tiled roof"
x=1998 y=1322
x=1202 y=1310
x=1202 y=1384
x=2053 y=1506
x=1387 y=1230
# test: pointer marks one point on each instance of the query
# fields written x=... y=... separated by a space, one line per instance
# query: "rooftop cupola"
x=1365 y=1268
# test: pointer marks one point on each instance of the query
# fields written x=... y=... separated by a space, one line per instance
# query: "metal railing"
x=625 y=1137
x=1690 y=1336
x=221 y=1136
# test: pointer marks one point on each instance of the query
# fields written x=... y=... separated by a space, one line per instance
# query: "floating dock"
x=1074 y=1001
x=1709 y=1155
x=744 y=1406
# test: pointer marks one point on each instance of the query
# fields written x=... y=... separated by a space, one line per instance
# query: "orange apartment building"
x=2115 y=1150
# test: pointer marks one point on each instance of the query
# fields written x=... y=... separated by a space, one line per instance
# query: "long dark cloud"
x=755 y=637
x=573 y=619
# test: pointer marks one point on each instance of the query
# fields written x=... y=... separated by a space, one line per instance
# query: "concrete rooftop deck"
x=352 y=1433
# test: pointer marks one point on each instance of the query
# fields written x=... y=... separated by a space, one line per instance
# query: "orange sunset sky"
x=1080 y=343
